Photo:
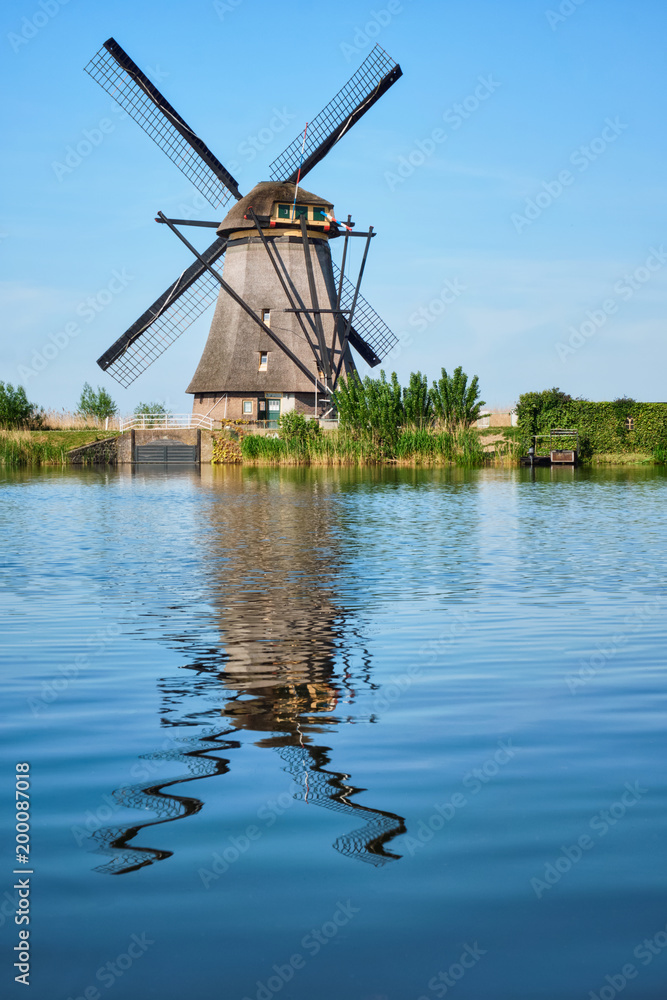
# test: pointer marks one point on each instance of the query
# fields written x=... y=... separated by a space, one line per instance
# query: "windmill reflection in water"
x=287 y=660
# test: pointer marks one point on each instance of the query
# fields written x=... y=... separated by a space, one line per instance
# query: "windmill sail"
x=116 y=73
x=163 y=323
x=375 y=76
x=370 y=336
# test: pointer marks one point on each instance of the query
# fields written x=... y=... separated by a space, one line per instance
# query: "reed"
x=65 y=420
x=24 y=448
x=340 y=447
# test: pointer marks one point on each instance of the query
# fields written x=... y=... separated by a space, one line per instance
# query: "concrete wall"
x=497 y=418
x=185 y=435
x=96 y=453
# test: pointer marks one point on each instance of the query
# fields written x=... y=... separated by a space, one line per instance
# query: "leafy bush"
x=603 y=427
x=226 y=451
x=417 y=403
x=295 y=427
x=158 y=409
x=455 y=403
x=146 y=410
x=96 y=403
x=16 y=410
x=379 y=411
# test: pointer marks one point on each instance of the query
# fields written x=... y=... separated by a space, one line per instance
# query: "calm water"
x=378 y=735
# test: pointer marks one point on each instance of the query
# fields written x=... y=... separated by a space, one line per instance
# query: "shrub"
x=96 y=403
x=147 y=410
x=294 y=427
x=16 y=410
x=455 y=403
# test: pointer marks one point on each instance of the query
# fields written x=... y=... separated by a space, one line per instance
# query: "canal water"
x=378 y=734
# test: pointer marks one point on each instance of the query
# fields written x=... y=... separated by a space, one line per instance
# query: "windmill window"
x=266 y=316
x=247 y=406
x=285 y=211
x=318 y=215
x=629 y=423
x=263 y=360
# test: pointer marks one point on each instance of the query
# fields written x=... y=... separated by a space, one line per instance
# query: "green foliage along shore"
x=16 y=410
x=379 y=412
x=379 y=421
x=339 y=447
x=623 y=426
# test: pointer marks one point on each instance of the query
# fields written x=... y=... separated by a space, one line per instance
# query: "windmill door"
x=273 y=410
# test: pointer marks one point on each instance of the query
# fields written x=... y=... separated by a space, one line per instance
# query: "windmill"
x=286 y=315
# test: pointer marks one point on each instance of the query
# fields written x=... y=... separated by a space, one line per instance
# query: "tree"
x=148 y=410
x=455 y=403
x=538 y=412
x=417 y=404
x=96 y=403
x=15 y=409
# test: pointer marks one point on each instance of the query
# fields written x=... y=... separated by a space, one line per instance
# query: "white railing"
x=183 y=421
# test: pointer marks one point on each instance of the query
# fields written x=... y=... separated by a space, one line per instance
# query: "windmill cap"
x=262 y=199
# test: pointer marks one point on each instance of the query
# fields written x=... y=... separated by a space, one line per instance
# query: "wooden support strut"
x=290 y=298
x=346 y=336
x=246 y=308
x=338 y=325
x=326 y=361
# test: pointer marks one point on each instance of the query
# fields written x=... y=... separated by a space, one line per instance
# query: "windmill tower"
x=287 y=315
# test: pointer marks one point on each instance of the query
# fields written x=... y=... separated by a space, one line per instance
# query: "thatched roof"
x=262 y=198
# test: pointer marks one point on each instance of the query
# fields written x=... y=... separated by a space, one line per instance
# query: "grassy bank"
x=421 y=447
x=34 y=448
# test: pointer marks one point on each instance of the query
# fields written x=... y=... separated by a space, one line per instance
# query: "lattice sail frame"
x=164 y=322
x=331 y=791
x=375 y=75
x=367 y=326
x=116 y=73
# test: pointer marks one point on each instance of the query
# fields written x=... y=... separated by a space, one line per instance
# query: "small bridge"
x=167 y=421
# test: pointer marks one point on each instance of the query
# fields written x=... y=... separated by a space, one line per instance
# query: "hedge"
x=603 y=427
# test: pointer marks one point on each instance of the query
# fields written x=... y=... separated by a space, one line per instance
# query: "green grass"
x=31 y=448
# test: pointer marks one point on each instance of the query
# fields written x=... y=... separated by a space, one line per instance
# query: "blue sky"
x=515 y=176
